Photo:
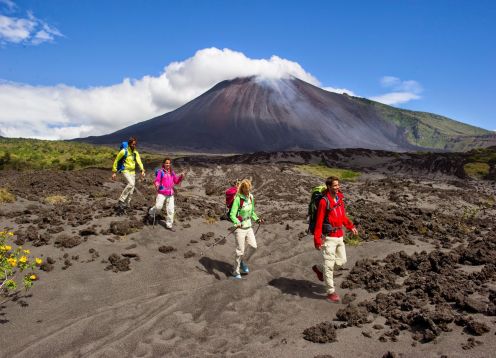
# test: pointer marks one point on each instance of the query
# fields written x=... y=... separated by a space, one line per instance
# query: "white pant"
x=169 y=208
x=243 y=236
x=129 y=189
x=334 y=253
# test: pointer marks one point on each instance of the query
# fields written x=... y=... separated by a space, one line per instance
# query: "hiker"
x=164 y=182
x=328 y=235
x=241 y=214
x=125 y=163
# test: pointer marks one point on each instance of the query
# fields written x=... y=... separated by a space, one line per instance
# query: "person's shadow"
x=17 y=297
x=302 y=288
x=211 y=266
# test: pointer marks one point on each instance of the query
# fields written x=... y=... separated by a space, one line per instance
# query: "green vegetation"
x=56 y=199
x=426 y=129
x=6 y=196
x=479 y=162
x=14 y=262
x=24 y=154
x=324 y=171
x=483 y=155
x=352 y=240
x=476 y=169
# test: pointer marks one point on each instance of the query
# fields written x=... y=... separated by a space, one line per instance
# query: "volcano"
x=259 y=114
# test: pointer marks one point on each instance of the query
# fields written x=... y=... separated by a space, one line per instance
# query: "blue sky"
x=65 y=66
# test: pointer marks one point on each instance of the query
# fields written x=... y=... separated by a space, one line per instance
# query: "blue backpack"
x=120 y=164
x=161 y=170
x=157 y=170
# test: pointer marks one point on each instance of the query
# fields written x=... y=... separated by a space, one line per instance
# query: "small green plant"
x=476 y=170
x=210 y=220
x=488 y=203
x=13 y=263
x=56 y=199
x=352 y=240
x=422 y=229
x=469 y=214
x=6 y=196
x=324 y=171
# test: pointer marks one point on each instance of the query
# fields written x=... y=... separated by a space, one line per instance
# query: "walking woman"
x=242 y=213
x=165 y=181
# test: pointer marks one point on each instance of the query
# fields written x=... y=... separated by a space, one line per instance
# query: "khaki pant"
x=129 y=189
x=334 y=253
x=169 y=208
x=243 y=237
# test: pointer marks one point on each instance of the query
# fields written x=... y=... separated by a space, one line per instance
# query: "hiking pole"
x=217 y=241
x=258 y=227
x=250 y=251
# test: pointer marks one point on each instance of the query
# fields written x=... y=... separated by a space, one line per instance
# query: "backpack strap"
x=241 y=202
x=326 y=216
x=160 y=186
x=328 y=204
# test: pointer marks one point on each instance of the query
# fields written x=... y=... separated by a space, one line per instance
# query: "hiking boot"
x=333 y=297
x=236 y=277
x=319 y=274
x=120 y=209
x=244 y=267
x=149 y=219
x=170 y=229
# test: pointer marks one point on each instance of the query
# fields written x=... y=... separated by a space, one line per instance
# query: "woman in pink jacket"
x=164 y=182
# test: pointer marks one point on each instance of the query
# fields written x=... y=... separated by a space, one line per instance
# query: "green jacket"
x=129 y=164
x=247 y=212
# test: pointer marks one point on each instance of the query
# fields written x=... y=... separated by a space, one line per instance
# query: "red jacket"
x=336 y=217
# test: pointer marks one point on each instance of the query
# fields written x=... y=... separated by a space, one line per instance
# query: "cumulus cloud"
x=63 y=112
x=25 y=30
x=401 y=91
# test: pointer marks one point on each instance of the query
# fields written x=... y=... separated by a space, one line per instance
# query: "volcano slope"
x=421 y=283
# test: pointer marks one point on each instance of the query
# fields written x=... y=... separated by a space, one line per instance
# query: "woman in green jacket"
x=242 y=213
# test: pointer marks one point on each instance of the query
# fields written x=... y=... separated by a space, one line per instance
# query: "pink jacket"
x=166 y=181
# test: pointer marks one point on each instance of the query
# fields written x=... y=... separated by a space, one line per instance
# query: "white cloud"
x=63 y=112
x=390 y=81
x=28 y=30
x=394 y=98
x=402 y=91
x=15 y=30
x=339 y=90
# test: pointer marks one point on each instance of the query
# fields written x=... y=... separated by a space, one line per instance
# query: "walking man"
x=328 y=235
x=125 y=163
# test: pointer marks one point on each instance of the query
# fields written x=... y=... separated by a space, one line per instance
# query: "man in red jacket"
x=328 y=235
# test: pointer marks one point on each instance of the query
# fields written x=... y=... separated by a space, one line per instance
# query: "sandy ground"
x=116 y=287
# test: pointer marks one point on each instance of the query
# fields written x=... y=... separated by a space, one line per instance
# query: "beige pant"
x=334 y=253
x=243 y=237
x=129 y=189
x=169 y=208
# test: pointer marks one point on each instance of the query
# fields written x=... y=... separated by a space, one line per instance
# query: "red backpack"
x=230 y=195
